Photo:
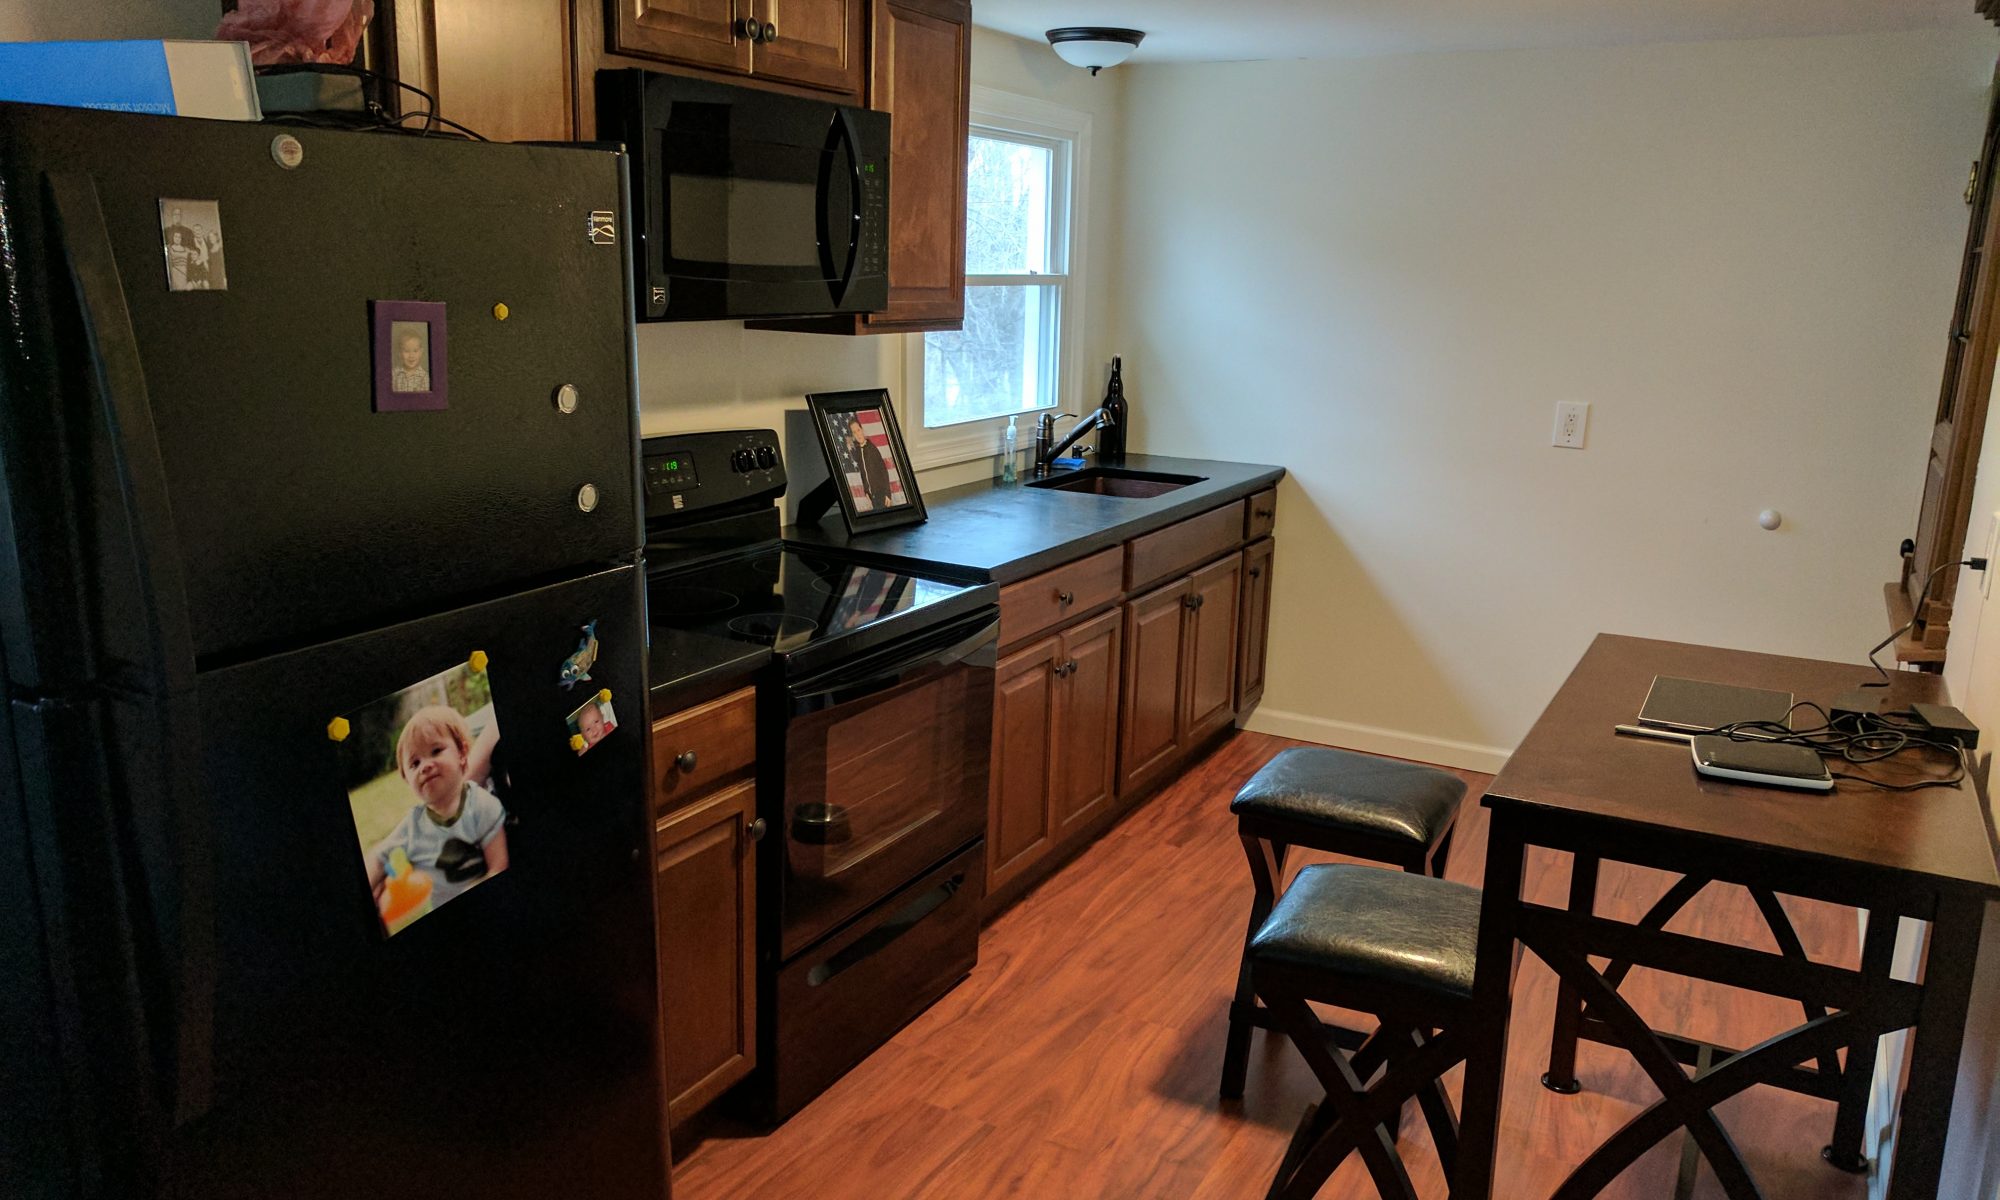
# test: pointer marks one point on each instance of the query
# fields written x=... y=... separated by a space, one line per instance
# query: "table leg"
x=1878 y=949
x=1561 y=1075
x=1492 y=1003
x=1939 y=1032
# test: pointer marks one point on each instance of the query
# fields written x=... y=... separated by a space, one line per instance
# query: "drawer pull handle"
x=1065 y=598
x=884 y=935
x=757 y=829
x=685 y=760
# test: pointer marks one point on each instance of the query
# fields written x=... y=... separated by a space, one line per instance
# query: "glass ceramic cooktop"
x=787 y=600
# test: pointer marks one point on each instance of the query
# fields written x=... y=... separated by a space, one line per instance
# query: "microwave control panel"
x=874 y=215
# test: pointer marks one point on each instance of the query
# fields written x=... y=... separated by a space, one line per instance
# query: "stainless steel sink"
x=1113 y=481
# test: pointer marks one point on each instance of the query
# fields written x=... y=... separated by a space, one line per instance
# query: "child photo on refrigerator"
x=419 y=764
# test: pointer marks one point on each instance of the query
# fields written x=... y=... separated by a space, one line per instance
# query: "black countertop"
x=997 y=533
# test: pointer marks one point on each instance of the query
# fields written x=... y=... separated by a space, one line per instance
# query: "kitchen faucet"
x=1045 y=433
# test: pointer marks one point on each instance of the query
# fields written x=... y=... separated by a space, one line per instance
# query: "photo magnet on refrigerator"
x=429 y=808
x=576 y=668
x=592 y=722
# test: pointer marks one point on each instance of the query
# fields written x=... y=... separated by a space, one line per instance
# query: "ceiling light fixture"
x=1093 y=46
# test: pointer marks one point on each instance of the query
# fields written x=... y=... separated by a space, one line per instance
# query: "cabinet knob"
x=1263 y=513
x=1191 y=601
x=750 y=29
x=1070 y=667
x=1065 y=597
x=757 y=829
x=770 y=32
x=685 y=760
x=1256 y=572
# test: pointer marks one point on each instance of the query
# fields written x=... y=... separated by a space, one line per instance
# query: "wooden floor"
x=1081 y=1057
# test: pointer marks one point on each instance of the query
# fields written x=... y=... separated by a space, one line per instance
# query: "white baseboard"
x=1395 y=743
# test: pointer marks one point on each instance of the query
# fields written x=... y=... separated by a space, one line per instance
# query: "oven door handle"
x=869 y=678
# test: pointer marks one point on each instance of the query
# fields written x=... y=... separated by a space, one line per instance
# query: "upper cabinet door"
x=922 y=73
x=702 y=33
x=817 y=43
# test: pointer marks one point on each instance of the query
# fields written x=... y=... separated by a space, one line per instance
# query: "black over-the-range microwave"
x=748 y=203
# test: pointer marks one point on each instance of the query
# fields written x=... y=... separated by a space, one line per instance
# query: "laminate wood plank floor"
x=1082 y=1056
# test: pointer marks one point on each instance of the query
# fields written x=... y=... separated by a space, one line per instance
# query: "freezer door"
x=503 y=1041
x=298 y=510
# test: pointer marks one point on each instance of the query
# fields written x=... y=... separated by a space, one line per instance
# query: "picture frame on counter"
x=867 y=461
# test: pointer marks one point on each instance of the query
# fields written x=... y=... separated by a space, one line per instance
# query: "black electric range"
x=874 y=702
x=722 y=585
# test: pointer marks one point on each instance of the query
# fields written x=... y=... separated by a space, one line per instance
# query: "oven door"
x=885 y=772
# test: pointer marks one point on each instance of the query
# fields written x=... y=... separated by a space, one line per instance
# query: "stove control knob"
x=742 y=460
x=767 y=457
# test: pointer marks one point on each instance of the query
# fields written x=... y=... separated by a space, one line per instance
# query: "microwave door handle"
x=839 y=689
x=840 y=143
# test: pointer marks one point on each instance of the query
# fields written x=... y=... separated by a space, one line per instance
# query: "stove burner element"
x=773 y=627
x=690 y=601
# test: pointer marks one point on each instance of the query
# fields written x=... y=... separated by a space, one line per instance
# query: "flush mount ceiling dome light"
x=1094 y=46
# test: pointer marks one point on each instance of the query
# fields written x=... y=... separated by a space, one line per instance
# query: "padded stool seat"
x=1395 y=813
x=1401 y=946
x=1340 y=791
x=1368 y=928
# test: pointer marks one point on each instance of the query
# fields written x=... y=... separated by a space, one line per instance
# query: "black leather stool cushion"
x=1388 y=928
x=1359 y=793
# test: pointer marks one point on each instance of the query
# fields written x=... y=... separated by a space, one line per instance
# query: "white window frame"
x=1007 y=113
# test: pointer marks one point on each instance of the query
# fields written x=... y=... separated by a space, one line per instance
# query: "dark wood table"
x=1576 y=787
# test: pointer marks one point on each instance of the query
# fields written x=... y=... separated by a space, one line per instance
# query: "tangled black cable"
x=1868 y=739
x=377 y=118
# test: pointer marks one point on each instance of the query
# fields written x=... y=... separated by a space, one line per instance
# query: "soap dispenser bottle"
x=1010 y=447
x=1111 y=434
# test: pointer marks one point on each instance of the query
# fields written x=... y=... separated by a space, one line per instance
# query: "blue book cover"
x=184 y=78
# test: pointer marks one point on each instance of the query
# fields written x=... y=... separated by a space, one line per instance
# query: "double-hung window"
x=1014 y=356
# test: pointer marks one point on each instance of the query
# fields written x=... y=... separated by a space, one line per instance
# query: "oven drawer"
x=703 y=748
x=841 y=999
x=1054 y=596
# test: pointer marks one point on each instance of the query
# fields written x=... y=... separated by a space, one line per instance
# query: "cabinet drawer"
x=1178 y=547
x=1262 y=516
x=1054 y=596
x=699 y=749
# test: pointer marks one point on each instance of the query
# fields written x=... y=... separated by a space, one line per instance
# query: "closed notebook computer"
x=1693 y=705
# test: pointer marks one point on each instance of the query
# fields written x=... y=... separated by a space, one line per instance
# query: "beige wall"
x=717 y=374
x=48 y=20
x=1972 y=672
x=1383 y=274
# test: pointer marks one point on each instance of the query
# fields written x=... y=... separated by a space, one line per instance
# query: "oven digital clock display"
x=672 y=472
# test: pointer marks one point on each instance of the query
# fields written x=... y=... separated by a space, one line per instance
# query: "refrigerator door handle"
x=179 y=883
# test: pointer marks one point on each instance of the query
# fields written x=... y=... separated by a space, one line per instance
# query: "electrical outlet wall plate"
x=1992 y=549
x=1572 y=420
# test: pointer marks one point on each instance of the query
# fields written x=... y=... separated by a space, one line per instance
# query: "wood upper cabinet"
x=810 y=43
x=1209 y=676
x=1018 y=825
x=700 y=33
x=501 y=67
x=814 y=43
x=706 y=892
x=1084 y=773
x=1255 y=622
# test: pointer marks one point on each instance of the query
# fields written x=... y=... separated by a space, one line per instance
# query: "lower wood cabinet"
x=1254 y=642
x=706 y=891
x=1180 y=674
x=1055 y=726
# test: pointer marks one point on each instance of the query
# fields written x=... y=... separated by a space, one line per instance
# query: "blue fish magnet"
x=576 y=668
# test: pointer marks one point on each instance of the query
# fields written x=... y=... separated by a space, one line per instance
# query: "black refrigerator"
x=322 y=840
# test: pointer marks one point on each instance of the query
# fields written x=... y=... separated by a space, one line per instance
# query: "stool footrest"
x=1252 y=1013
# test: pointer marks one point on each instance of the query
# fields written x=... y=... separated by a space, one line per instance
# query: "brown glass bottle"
x=1111 y=434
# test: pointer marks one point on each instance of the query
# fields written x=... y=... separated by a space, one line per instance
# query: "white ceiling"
x=1216 y=31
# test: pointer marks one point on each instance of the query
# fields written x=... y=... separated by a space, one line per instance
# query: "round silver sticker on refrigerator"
x=287 y=151
x=567 y=398
x=586 y=497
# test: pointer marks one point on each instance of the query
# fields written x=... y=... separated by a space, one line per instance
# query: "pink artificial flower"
x=297 y=31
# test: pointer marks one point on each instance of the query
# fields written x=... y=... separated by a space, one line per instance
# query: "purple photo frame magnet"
x=409 y=337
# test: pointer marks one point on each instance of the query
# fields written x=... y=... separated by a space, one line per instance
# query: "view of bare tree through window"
x=1004 y=359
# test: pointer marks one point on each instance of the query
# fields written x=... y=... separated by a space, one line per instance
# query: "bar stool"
x=1396 y=813
x=1400 y=946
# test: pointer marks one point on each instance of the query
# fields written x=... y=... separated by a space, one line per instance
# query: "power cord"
x=377 y=118
x=1868 y=740
x=1916 y=612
